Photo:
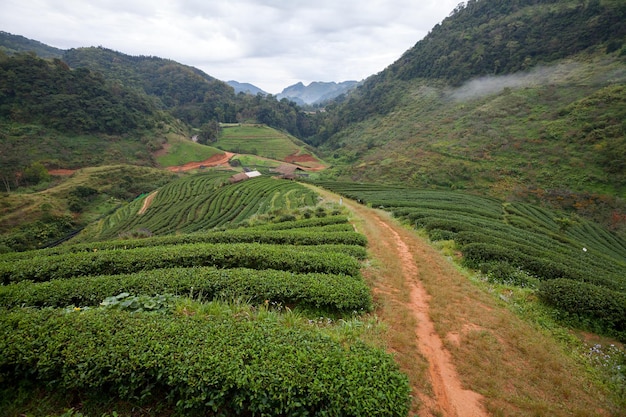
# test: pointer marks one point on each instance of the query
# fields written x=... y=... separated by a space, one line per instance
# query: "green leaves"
x=125 y=301
x=341 y=293
x=228 y=365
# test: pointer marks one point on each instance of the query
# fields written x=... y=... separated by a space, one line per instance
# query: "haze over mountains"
x=317 y=92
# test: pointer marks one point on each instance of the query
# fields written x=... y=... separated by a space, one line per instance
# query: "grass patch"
x=258 y=140
x=182 y=151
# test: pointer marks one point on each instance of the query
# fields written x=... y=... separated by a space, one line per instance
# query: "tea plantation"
x=236 y=299
x=573 y=265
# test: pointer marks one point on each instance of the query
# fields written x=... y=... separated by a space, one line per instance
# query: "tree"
x=209 y=132
x=35 y=173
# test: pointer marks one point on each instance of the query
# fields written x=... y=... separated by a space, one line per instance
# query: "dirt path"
x=213 y=161
x=397 y=288
x=450 y=398
x=147 y=202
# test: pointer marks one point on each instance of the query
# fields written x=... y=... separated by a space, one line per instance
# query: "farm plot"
x=258 y=140
x=244 y=321
x=202 y=202
x=572 y=264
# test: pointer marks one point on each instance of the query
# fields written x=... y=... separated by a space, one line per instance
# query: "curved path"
x=448 y=397
x=456 y=341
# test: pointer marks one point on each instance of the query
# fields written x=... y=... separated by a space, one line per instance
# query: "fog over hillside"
x=560 y=74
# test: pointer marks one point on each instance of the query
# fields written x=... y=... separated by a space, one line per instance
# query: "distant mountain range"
x=245 y=88
x=315 y=93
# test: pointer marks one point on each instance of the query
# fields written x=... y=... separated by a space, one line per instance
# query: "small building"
x=238 y=178
x=288 y=171
x=242 y=176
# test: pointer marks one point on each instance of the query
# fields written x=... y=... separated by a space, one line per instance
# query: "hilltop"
x=316 y=92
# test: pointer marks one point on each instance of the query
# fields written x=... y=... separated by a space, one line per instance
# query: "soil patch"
x=215 y=160
x=295 y=158
x=146 y=202
x=61 y=172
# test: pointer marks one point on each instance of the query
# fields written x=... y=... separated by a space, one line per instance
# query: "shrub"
x=200 y=366
x=587 y=301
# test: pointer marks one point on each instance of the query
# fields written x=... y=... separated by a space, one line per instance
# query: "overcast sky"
x=269 y=43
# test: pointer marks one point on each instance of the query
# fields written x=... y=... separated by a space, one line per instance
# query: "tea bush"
x=199 y=366
x=326 y=291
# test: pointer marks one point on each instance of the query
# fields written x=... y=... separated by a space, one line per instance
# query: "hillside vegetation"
x=35 y=218
x=541 y=120
x=262 y=320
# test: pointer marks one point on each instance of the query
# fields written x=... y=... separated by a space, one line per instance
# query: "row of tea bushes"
x=199 y=366
x=332 y=259
x=329 y=292
x=519 y=244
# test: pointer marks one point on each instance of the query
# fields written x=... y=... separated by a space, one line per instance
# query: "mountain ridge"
x=316 y=92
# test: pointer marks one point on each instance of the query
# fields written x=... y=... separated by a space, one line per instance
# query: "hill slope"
x=554 y=129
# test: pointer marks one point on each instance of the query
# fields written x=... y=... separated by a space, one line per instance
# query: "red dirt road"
x=398 y=284
x=215 y=160
x=451 y=399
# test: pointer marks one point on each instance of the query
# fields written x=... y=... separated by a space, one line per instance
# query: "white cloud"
x=269 y=43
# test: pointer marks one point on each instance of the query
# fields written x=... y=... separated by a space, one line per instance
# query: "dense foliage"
x=329 y=292
x=33 y=90
x=198 y=366
x=10 y=44
x=506 y=36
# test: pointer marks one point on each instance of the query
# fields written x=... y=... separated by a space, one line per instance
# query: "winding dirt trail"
x=396 y=284
x=450 y=398
x=147 y=202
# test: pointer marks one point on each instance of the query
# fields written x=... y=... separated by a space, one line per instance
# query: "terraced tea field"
x=260 y=319
x=265 y=142
x=573 y=264
x=202 y=202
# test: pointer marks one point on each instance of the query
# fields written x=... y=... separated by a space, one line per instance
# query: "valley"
x=444 y=238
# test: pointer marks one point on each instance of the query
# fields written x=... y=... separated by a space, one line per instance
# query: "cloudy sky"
x=269 y=43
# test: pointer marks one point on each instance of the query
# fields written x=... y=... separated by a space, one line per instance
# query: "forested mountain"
x=517 y=98
x=490 y=37
x=187 y=92
x=190 y=94
x=316 y=92
x=33 y=90
x=10 y=44
x=506 y=36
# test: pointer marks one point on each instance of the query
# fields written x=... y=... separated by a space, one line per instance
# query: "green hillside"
x=11 y=44
x=546 y=126
x=265 y=142
x=38 y=217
